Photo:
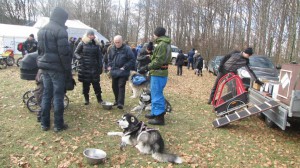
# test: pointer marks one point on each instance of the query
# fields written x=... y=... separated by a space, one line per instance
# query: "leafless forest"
x=213 y=27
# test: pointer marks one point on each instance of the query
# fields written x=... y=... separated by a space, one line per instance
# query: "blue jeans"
x=157 y=85
x=54 y=87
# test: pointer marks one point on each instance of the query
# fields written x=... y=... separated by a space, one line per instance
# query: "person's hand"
x=143 y=69
x=122 y=68
x=108 y=68
x=259 y=82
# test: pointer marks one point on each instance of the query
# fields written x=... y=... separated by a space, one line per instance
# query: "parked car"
x=214 y=63
x=263 y=68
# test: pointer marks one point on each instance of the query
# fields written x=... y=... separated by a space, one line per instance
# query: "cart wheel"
x=3 y=64
x=10 y=61
x=238 y=104
x=19 y=60
x=66 y=102
x=33 y=105
x=269 y=122
x=27 y=95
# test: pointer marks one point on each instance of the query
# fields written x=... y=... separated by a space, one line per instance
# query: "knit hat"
x=150 y=46
x=248 y=51
x=160 y=31
x=90 y=32
x=31 y=35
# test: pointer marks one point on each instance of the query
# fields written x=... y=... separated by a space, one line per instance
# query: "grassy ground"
x=188 y=131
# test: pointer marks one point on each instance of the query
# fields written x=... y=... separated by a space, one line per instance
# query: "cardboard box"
x=256 y=86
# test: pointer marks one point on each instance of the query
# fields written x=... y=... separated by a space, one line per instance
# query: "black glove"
x=259 y=82
x=143 y=69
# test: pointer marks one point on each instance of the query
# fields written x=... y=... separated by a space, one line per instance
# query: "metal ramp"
x=245 y=113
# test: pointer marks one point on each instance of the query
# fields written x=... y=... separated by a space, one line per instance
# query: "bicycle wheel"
x=19 y=60
x=33 y=105
x=66 y=101
x=27 y=95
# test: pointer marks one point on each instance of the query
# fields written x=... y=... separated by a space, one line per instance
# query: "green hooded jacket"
x=161 y=56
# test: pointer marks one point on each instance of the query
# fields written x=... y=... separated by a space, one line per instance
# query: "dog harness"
x=143 y=127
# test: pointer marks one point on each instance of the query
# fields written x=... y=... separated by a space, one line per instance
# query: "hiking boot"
x=149 y=116
x=64 y=127
x=99 y=98
x=86 y=99
x=120 y=106
x=45 y=128
x=158 y=120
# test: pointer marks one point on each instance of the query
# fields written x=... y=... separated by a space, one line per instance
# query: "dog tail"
x=166 y=157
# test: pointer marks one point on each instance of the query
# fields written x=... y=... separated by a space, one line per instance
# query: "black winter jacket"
x=180 y=59
x=90 y=60
x=120 y=58
x=143 y=58
x=56 y=56
x=30 y=45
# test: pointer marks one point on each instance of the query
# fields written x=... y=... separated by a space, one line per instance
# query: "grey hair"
x=118 y=37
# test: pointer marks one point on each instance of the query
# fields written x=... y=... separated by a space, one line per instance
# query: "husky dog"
x=145 y=103
x=146 y=140
x=136 y=89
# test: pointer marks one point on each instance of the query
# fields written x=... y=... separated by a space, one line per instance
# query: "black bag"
x=70 y=82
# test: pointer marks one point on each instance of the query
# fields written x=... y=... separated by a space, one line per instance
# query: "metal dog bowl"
x=107 y=105
x=94 y=156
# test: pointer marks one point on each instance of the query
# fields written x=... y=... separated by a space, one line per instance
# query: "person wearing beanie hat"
x=55 y=62
x=231 y=63
x=158 y=68
x=30 y=45
x=159 y=31
x=90 y=57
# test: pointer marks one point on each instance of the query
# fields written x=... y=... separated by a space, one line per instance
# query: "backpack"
x=20 y=47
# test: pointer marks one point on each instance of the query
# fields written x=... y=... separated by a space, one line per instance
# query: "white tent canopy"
x=12 y=35
x=75 y=28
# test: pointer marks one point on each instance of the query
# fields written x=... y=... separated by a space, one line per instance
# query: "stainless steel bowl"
x=94 y=156
x=107 y=105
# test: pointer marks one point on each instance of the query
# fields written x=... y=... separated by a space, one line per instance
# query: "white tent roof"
x=7 y=30
x=75 y=28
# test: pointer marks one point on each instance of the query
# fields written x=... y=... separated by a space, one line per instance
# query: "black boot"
x=99 y=98
x=86 y=99
x=158 y=120
x=149 y=116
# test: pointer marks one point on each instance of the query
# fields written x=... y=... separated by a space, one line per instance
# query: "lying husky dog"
x=146 y=140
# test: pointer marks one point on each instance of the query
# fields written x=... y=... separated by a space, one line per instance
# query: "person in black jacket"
x=120 y=62
x=89 y=54
x=30 y=45
x=55 y=61
x=199 y=65
x=179 y=62
x=143 y=57
x=230 y=63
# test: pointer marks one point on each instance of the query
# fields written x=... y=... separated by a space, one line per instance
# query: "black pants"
x=118 y=86
x=179 y=69
x=213 y=90
x=86 y=87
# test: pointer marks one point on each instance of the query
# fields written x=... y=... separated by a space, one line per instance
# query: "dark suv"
x=262 y=67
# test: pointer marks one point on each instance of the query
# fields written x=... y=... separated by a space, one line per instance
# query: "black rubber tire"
x=3 y=64
x=10 y=61
x=26 y=96
x=19 y=60
x=33 y=105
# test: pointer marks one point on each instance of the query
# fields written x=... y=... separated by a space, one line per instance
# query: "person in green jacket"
x=159 y=76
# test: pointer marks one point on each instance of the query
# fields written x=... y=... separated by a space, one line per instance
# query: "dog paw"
x=132 y=97
x=122 y=146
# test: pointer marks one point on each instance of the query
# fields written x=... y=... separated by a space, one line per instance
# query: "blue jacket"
x=120 y=58
x=191 y=54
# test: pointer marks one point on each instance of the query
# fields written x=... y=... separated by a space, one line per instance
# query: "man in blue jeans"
x=159 y=76
x=55 y=62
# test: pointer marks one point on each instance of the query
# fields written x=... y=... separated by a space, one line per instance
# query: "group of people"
x=54 y=62
x=55 y=57
x=195 y=61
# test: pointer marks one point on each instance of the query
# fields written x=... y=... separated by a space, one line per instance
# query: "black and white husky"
x=146 y=140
